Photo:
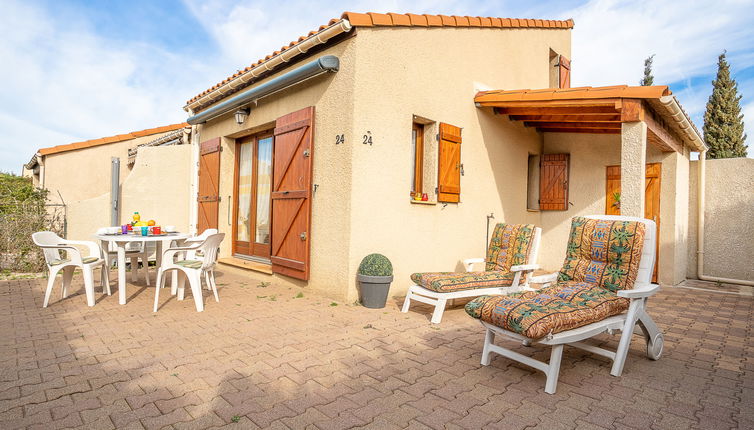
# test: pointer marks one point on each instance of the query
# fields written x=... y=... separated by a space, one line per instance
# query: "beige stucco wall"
x=729 y=219
x=85 y=173
x=331 y=96
x=438 y=81
x=590 y=154
x=158 y=187
x=361 y=204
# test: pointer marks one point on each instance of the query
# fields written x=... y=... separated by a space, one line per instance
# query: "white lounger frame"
x=625 y=322
x=439 y=300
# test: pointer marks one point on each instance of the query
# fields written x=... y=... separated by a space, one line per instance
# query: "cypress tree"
x=648 y=79
x=723 y=120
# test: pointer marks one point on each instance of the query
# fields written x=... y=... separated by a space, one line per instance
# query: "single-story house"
x=311 y=158
x=79 y=178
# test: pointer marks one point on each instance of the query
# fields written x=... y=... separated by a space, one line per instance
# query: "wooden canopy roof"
x=598 y=110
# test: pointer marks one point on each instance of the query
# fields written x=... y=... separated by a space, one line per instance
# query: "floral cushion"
x=510 y=245
x=602 y=257
x=448 y=282
x=191 y=264
x=85 y=260
x=561 y=307
x=603 y=252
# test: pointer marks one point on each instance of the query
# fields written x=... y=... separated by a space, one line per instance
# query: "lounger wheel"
x=654 y=347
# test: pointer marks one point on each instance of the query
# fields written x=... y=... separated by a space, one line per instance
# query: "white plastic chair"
x=52 y=244
x=625 y=322
x=192 y=255
x=193 y=269
x=140 y=251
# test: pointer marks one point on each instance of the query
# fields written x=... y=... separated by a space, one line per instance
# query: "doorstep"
x=246 y=264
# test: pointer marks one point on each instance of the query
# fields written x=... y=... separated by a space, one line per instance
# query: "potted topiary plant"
x=375 y=275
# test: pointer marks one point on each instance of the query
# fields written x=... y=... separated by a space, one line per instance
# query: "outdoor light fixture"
x=241 y=115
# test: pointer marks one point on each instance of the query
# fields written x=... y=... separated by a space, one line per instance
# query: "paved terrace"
x=264 y=358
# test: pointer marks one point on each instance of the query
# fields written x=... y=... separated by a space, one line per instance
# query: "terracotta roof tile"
x=462 y=21
x=417 y=20
x=434 y=20
x=372 y=19
x=400 y=19
x=110 y=139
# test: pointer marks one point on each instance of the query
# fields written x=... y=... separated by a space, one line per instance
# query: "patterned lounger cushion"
x=535 y=314
x=191 y=264
x=448 y=282
x=85 y=260
x=510 y=245
x=602 y=257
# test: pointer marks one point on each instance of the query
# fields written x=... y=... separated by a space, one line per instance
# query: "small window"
x=417 y=158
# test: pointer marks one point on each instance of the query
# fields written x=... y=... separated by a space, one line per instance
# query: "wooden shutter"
x=553 y=182
x=449 y=164
x=291 y=193
x=564 y=72
x=208 y=200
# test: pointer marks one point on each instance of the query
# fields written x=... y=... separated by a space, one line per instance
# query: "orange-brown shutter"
x=291 y=193
x=564 y=72
x=553 y=182
x=209 y=184
x=449 y=164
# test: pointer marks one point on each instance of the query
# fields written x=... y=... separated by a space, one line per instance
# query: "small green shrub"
x=375 y=265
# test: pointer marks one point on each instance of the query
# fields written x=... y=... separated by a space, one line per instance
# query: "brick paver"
x=262 y=358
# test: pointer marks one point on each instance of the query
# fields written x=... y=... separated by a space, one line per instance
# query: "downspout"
x=194 y=192
x=700 y=229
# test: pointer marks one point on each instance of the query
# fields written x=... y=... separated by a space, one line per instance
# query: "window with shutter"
x=553 y=182
x=449 y=164
x=291 y=193
x=208 y=200
x=564 y=72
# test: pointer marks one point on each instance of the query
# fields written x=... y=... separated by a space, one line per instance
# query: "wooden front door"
x=651 y=199
x=208 y=200
x=253 y=185
x=292 y=193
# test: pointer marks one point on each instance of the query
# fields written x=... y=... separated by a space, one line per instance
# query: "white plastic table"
x=121 y=240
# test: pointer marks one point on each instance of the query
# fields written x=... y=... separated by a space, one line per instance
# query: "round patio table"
x=121 y=240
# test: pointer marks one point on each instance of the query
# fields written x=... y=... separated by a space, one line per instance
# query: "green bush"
x=375 y=265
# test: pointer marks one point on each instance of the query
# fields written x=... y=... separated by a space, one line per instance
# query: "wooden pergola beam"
x=581 y=130
x=660 y=136
x=568 y=118
x=614 y=103
x=615 y=125
x=557 y=110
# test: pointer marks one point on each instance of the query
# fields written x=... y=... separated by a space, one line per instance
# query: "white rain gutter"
x=319 y=38
x=692 y=134
x=682 y=120
x=700 y=230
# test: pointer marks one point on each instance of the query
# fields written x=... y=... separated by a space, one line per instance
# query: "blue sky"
x=77 y=70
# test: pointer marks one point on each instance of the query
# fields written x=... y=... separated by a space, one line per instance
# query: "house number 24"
x=367 y=138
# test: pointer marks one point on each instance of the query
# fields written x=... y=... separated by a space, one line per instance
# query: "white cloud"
x=611 y=39
x=64 y=83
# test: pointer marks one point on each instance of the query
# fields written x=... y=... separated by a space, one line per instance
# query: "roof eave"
x=276 y=61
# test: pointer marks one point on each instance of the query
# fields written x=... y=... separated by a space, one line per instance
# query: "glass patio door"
x=253 y=193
